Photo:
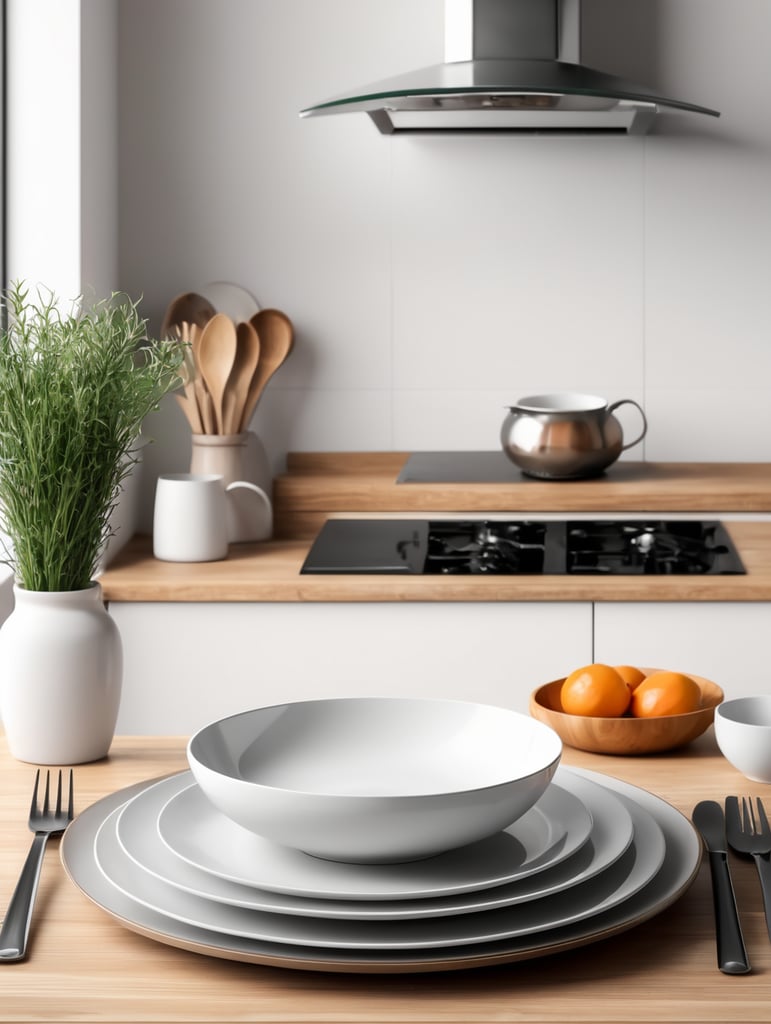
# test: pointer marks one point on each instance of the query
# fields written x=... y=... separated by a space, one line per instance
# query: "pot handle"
x=631 y=401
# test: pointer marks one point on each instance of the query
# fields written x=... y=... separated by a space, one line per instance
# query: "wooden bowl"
x=625 y=735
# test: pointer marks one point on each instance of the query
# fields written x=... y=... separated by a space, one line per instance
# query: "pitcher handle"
x=631 y=401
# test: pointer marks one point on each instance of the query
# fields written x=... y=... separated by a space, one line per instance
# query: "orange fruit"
x=596 y=691
x=632 y=676
x=665 y=693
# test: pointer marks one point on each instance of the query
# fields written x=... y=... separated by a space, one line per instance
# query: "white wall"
x=432 y=280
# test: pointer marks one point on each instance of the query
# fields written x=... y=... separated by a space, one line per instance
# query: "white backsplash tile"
x=507 y=269
x=441 y=420
x=723 y=424
x=708 y=304
x=315 y=419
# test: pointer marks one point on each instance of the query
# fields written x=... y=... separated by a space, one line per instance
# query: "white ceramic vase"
x=61 y=669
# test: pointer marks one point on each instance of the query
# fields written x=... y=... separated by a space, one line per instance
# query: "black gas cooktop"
x=523 y=547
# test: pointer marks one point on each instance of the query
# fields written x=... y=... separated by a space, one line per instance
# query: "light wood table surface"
x=84 y=966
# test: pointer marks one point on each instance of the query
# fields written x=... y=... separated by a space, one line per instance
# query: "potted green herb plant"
x=75 y=387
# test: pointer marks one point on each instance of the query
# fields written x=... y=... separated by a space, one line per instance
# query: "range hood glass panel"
x=487 y=82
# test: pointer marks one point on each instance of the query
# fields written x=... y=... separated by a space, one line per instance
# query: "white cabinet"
x=726 y=642
x=189 y=663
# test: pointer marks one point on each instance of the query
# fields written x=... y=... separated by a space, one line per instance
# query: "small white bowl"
x=374 y=779
x=743 y=733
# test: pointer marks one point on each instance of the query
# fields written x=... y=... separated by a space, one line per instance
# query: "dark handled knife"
x=731 y=954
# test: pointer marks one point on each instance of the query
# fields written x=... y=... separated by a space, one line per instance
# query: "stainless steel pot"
x=565 y=436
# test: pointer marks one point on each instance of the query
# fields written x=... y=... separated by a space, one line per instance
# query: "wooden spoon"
x=190 y=409
x=205 y=407
x=276 y=335
x=237 y=391
x=195 y=332
x=188 y=375
x=216 y=355
x=189 y=307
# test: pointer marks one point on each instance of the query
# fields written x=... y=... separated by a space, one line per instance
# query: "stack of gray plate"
x=594 y=856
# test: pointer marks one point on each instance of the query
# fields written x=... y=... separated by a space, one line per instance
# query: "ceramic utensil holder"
x=238 y=457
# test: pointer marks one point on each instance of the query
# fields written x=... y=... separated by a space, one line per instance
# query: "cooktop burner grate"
x=483 y=547
x=679 y=548
x=522 y=547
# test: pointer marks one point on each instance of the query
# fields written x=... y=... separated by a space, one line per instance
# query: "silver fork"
x=750 y=833
x=44 y=823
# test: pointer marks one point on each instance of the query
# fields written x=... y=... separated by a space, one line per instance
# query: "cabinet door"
x=187 y=664
x=723 y=641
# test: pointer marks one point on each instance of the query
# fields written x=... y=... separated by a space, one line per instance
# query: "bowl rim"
x=548 y=767
x=726 y=706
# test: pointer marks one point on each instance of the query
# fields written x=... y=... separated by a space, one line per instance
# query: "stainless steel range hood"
x=510 y=65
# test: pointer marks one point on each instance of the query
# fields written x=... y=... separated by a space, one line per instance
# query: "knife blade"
x=731 y=953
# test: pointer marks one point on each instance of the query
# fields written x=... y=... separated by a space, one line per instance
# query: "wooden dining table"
x=84 y=965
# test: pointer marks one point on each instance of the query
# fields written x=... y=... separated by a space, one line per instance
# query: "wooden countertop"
x=270 y=571
x=84 y=966
x=319 y=485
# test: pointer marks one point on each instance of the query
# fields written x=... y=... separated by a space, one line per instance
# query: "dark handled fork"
x=749 y=832
x=44 y=823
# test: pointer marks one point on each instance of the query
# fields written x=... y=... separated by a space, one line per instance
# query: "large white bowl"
x=375 y=779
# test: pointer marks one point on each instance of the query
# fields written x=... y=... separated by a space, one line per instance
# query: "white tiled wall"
x=434 y=280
